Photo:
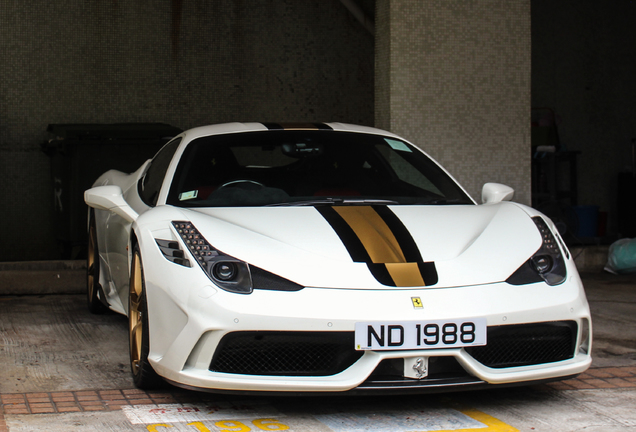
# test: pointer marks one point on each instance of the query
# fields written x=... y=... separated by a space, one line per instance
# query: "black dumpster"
x=79 y=154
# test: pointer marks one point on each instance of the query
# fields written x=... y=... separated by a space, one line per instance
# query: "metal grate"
x=527 y=344
x=285 y=353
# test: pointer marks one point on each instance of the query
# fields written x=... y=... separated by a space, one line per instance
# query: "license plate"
x=417 y=335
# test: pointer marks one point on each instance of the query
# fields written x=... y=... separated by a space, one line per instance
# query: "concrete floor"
x=64 y=369
x=612 y=300
x=52 y=343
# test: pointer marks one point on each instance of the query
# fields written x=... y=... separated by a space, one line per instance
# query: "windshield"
x=307 y=168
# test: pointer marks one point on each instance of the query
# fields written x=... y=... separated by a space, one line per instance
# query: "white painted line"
x=178 y=413
x=425 y=419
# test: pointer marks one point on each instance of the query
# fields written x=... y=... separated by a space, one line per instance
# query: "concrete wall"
x=186 y=63
x=453 y=76
x=584 y=68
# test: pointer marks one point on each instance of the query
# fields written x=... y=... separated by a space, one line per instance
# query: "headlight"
x=227 y=272
x=546 y=265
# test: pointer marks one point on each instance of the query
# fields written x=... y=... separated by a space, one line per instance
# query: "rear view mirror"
x=299 y=150
x=493 y=193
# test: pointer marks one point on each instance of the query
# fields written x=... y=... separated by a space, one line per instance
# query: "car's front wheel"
x=143 y=374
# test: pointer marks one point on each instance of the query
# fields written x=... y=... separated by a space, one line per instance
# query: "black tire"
x=144 y=376
x=93 y=302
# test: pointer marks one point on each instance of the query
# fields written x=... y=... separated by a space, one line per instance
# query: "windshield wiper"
x=335 y=201
x=369 y=201
x=310 y=202
x=444 y=201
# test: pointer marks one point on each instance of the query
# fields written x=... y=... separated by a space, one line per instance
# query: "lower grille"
x=329 y=353
x=527 y=344
x=285 y=353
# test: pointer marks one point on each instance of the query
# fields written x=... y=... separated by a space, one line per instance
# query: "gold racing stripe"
x=381 y=245
x=405 y=274
x=373 y=232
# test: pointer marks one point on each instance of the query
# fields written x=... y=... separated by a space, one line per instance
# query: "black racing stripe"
x=348 y=237
x=381 y=274
x=273 y=126
x=402 y=235
x=300 y=126
x=428 y=272
x=359 y=254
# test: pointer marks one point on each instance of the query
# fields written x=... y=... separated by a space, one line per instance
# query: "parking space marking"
x=433 y=419
x=256 y=416
x=181 y=413
x=493 y=424
x=371 y=420
x=221 y=426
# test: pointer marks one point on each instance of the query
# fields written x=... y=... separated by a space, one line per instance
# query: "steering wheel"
x=233 y=182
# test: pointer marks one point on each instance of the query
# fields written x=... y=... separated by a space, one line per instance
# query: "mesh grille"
x=527 y=344
x=285 y=353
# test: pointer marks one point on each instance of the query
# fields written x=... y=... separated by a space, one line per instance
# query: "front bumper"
x=186 y=331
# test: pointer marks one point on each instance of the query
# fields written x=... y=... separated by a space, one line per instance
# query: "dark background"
x=190 y=63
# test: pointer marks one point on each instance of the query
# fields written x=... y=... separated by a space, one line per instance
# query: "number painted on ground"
x=266 y=424
x=270 y=425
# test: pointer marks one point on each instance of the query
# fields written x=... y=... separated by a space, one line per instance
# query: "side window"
x=150 y=184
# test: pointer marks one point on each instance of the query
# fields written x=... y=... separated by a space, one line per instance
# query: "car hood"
x=455 y=245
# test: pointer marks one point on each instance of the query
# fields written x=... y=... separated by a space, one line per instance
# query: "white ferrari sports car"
x=328 y=257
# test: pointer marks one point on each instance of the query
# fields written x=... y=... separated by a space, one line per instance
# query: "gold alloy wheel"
x=135 y=319
x=93 y=301
x=90 y=282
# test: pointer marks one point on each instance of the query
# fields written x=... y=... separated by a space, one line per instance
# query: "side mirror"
x=110 y=198
x=493 y=193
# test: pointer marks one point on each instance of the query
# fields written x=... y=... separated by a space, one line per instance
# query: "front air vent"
x=268 y=281
x=285 y=353
x=527 y=344
x=172 y=252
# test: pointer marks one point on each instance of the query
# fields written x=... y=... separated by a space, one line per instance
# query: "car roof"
x=237 y=127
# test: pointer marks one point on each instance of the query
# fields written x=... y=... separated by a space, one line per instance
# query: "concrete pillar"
x=453 y=77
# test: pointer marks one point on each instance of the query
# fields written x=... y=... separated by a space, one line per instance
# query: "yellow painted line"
x=490 y=424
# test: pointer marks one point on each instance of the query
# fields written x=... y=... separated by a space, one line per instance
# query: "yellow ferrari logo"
x=417 y=303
